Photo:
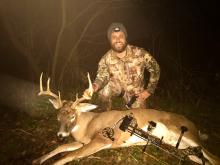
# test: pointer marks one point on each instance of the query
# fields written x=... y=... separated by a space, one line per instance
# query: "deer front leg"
x=94 y=146
x=63 y=148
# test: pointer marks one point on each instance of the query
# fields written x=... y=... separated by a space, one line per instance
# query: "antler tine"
x=48 y=92
x=59 y=95
x=75 y=102
x=41 y=86
x=89 y=79
x=48 y=84
x=90 y=85
x=88 y=92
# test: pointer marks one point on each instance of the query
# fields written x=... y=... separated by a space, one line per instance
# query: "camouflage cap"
x=116 y=27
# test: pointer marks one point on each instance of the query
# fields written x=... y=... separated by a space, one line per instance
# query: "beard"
x=119 y=48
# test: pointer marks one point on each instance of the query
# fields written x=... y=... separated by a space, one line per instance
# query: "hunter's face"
x=118 y=41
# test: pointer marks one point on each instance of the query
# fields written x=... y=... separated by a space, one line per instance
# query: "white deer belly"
x=171 y=137
x=160 y=131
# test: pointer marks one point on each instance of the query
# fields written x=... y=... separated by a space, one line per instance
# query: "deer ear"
x=85 y=107
x=56 y=105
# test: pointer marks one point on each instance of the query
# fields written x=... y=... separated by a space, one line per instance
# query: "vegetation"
x=24 y=138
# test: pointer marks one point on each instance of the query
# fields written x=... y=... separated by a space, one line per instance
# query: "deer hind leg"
x=97 y=144
x=201 y=156
x=63 y=148
x=214 y=160
x=198 y=159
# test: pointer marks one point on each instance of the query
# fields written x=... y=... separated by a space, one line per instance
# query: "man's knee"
x=104 y=96
x=104 y=100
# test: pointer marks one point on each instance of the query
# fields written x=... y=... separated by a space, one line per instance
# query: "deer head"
x=68 y=110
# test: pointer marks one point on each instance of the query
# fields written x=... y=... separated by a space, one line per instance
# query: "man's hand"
x=95 y=87
x=143 y=95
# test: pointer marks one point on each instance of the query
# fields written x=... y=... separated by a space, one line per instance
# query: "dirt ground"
x=24 y=138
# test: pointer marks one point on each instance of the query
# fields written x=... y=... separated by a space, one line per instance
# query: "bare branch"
x=59 y=37
x=79 y=40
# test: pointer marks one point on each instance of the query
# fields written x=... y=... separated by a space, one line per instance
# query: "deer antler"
x=87 y=95
x=57 y=103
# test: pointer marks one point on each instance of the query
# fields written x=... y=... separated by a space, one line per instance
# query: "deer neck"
x=81 y=125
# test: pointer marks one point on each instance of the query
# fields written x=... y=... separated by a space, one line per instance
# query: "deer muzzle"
x=62 y=132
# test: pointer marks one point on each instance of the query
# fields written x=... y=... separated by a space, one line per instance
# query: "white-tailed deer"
x=90 y=129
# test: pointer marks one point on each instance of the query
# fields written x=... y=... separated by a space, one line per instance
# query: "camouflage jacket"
x=129 y=70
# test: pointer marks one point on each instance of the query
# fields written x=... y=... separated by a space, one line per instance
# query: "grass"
x=24 y=138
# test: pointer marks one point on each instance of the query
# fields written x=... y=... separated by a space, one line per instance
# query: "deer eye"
x=73 y=118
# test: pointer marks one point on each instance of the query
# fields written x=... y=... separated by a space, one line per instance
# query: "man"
x=121 y=71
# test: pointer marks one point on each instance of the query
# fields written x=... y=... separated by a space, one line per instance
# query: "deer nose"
x=59 y=135
x=62 y=134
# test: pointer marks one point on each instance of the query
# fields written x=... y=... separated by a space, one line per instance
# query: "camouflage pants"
x=113 y=89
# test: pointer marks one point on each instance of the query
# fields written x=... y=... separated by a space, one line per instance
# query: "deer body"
x=168 y=125
x=88 y=129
